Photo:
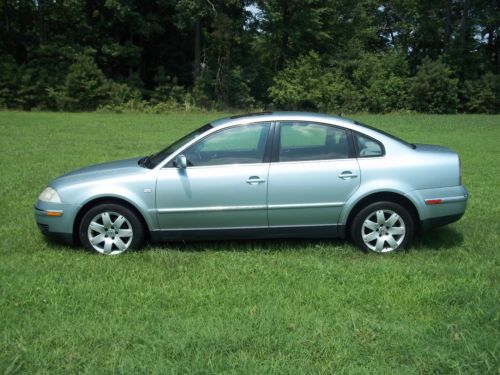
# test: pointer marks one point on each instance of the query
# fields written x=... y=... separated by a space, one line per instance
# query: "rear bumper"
x=438 y=221
x=441 y=206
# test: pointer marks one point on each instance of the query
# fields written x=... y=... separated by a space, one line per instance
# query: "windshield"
x=155 y=159
x=386 y=134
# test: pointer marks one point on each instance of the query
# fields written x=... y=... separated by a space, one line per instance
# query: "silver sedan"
x=264 y=175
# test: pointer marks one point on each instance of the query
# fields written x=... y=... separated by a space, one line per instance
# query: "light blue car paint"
x=177 y=202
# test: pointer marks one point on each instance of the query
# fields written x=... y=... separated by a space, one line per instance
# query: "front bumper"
x=55 y=220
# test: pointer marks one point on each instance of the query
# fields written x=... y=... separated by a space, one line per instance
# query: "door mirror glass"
x=181 y=161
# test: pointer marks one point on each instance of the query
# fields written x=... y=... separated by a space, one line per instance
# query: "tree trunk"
x=492 y=43
x=284 y=37
x=41 y=22
x=197 y=50
x=389 y=27
x=130 y=67
x=447 y=27
x=463 y=40
x=463 y=27
x=6 y=16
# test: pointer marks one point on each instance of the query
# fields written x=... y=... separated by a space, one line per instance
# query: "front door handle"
x=255 y=180
x=347 y=174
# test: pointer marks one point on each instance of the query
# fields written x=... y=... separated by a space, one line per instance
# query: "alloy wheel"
x=383 y=231
x=110 y=233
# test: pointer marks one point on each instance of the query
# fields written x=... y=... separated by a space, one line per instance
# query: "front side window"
x=309 y=141
x=155 y=159
x=237 y=145
x=367 y=147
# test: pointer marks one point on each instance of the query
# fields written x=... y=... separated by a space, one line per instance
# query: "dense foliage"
x=438 y=56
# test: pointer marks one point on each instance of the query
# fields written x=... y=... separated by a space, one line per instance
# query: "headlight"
x=49 y=195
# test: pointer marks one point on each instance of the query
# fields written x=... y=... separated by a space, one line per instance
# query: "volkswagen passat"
x=265 y=175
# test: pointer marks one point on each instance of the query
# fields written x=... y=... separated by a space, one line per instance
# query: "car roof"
x=282 y=116
x=312 y=117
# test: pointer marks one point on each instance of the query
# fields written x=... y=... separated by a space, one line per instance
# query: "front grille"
x=44 y=228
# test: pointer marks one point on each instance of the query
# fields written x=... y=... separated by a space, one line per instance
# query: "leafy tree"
x=303 y=84
x=307 y=84
x=382 y=80
x=483 y=95
x=120 y=93
x=8 y=81
x=167 y=89
x=376 y=56
x=433 y=89
x=85 y=86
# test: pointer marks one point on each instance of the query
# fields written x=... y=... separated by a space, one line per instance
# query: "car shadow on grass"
x=194 y=245
x=59 y=245
x=247 y=245
x=442 y=238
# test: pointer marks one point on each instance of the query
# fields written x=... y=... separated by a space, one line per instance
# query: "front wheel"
x=111 y=229
x=382 y=227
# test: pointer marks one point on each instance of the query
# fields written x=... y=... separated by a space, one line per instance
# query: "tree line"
x=436 y=56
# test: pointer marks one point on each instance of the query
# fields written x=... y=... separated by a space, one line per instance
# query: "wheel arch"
x=384 y=196
x=102 y=200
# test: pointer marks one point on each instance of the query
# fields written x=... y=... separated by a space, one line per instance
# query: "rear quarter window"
x=367 y=146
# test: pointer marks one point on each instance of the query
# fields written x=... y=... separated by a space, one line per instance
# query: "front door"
x=314 y=175
x=224 y=185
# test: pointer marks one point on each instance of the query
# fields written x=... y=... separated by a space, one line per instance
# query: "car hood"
x=105 y=170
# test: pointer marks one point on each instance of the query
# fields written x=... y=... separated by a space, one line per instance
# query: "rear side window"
x=301 y=141
x=367 y=147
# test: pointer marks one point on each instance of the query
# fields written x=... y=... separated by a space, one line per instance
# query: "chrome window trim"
x=219 y=166
x=311 y=161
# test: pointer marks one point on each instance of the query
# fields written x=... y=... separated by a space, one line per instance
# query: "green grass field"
x=246 y=306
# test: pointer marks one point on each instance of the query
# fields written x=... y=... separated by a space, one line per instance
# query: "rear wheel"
x=111 y=229
x=382 y=227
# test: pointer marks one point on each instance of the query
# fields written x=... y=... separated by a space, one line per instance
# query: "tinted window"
x=237 y=145
x=157 y=158
x=310 y=141
x=386 y=134
x=367 y=146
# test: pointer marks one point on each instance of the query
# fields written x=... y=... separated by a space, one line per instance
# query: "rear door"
x=313 y=174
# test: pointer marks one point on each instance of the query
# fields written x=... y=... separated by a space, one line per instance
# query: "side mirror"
x=181 y=162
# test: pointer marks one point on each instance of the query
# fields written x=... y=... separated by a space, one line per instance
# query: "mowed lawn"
x=262 y=307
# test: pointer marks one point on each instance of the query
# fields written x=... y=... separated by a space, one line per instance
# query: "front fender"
x=144 y=202
x=138 y=191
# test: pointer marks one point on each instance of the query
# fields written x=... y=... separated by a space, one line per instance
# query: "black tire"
x=382 y=233
x=132 y=223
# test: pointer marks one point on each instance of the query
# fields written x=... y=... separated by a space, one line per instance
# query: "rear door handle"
x=347 y=174
x=254 y=180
